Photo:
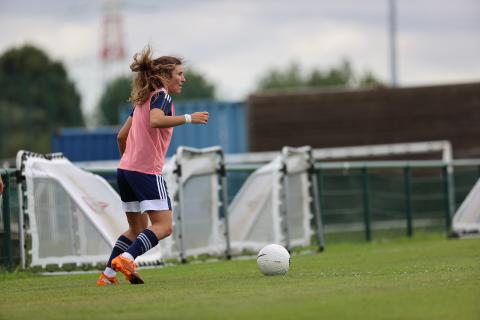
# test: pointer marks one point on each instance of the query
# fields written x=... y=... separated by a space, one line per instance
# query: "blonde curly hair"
x=150 y=74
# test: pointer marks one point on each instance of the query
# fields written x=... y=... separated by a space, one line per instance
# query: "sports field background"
x=425 y=277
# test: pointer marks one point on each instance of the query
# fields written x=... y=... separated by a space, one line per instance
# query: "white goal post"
x=300 y=190
x=198 y=188
x=277 y=203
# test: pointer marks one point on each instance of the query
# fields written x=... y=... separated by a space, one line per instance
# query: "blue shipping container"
x=81 y=144
x=226 y=127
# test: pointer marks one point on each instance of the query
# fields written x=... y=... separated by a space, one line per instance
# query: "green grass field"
x=420 y=278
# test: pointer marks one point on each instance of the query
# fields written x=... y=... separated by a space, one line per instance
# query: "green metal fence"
x=9 y=225
x=385 y=199
x=360 y=201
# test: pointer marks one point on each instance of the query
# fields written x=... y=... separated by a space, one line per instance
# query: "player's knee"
x=168 y=231
x=162 y=231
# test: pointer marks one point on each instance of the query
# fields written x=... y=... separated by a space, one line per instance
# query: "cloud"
x=60 y=10
x=434 y=58
x=72 y=41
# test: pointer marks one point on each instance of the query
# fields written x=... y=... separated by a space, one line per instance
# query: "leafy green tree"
x=341 y=75
x=368 y=79
x=196 y=87
x=36 y=97
x=114 y=100
x=291 y=77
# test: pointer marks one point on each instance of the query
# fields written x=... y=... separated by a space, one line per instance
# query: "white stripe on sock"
x=143 y=241
x=146 y=241
x=121 y=245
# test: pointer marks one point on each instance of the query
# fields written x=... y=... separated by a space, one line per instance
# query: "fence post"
x=366 y=205
x=447 y=192
x=318 y=205
x=284 y=202
x=223 y=182
x=321 y=203
x=7 y=240
x=407 y=174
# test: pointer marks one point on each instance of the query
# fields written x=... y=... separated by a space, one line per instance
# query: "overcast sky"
x=234 y=42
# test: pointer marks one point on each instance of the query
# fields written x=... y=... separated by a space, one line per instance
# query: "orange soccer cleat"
x=127 y=267
x=105 y=280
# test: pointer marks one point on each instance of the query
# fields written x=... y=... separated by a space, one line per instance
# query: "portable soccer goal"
x=198 y=188
x=71 y=216
x=277 y=204
x=466 y=220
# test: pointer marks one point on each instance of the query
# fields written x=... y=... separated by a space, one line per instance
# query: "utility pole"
x=393 y=42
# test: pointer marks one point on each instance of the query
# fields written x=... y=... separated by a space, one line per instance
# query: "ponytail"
x=150 y=74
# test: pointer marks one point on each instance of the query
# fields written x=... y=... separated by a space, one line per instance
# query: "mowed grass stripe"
x=419 y=278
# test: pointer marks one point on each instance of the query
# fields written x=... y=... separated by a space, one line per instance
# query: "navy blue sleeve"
x=162 y=101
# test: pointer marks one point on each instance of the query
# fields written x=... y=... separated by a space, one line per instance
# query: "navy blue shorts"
x=142 y=192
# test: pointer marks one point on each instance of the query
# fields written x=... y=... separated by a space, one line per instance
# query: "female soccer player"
x=143 y=142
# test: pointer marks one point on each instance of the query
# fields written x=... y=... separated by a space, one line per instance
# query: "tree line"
x=37 y=96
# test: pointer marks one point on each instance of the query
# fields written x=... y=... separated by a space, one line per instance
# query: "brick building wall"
x=336 y=118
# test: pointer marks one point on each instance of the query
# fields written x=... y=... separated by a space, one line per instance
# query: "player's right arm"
x=123 y=134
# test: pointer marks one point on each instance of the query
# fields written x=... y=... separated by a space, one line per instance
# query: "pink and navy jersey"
x=146 y=146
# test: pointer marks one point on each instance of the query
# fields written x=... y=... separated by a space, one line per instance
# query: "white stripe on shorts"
x=161 y=187
x=133 y=206
x=154 y=205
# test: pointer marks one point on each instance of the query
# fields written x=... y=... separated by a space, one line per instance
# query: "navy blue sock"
x=144 y=242
x=120 y=247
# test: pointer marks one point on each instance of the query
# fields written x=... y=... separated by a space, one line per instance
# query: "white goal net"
x=197 y=185
x=466 y=220
x=275 y=204
x=73 y=216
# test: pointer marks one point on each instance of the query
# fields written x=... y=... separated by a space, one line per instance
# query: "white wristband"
x=188 y=118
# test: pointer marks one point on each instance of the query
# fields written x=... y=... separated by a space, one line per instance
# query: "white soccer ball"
x=273 y=259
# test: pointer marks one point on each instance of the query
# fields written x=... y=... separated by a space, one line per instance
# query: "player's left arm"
x=158 y=119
